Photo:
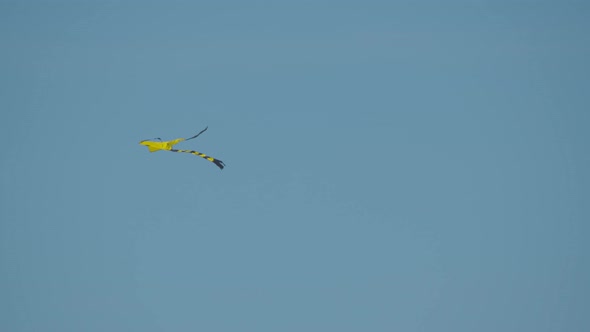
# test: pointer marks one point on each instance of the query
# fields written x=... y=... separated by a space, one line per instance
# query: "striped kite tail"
x=217 y=162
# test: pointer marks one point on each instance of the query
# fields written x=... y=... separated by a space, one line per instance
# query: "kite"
x=154 y=146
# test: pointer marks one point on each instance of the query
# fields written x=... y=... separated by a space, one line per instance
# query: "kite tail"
x=217 y=162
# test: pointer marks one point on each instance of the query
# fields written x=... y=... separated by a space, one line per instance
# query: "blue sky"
x=391 y=166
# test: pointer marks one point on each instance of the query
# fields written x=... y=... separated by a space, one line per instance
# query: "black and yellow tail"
x=217 y=162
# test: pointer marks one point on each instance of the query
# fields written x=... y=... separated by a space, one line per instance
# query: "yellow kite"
x=154 y=146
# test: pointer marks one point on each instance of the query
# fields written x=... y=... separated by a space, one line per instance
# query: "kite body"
x=154 y=146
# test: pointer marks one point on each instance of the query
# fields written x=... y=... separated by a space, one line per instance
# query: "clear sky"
x=391 y=166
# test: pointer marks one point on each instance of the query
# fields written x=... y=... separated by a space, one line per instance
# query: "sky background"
x=391 y=166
